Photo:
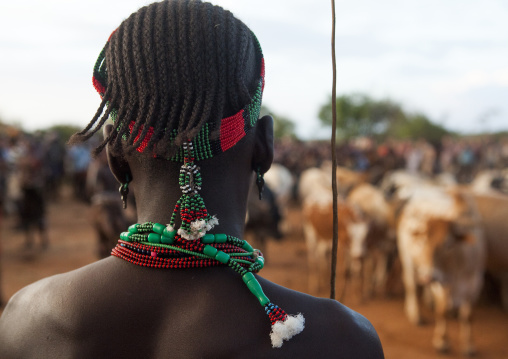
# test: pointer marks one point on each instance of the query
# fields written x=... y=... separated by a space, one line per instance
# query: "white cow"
x=441 y=247
x=280 y=180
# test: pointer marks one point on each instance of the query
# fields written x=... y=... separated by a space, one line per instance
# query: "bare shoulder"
x=26 y=320
x=35 y=322
x=331 y=328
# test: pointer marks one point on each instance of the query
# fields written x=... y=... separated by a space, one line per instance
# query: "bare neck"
x=224 y=191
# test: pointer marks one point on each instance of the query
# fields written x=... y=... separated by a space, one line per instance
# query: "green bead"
x=255 y=288
x=208 y=238
x=133 y=228
x=222 y=257
x=168 y=233
x=158 y=228
x=210 y=251
x=154 y=238
x=167 y=240
x=247 y=246
x=124 y=236
x=220 y=238
x=261 y=261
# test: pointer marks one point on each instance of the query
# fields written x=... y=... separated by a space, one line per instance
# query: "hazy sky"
x=448 y=59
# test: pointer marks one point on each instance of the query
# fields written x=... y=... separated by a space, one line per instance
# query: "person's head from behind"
x=176 y=71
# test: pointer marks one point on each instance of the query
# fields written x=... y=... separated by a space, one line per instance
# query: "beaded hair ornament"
x=232 y=128
x=163 y=246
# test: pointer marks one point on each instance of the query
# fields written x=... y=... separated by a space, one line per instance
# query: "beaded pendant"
x=196 y=220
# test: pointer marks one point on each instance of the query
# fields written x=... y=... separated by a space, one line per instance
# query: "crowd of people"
x=461 y=157
x=33 y=168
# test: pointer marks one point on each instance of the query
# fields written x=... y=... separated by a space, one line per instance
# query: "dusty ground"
x=72 y=244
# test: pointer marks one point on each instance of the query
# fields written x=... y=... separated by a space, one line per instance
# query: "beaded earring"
x=124 y=191
x=260 y=182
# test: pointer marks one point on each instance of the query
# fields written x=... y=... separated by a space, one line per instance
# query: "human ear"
x=262 y=155
x=117 y=163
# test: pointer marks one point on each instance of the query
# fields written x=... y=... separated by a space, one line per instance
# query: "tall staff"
x=334 y=162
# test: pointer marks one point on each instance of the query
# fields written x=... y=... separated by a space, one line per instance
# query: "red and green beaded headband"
x=232 y=129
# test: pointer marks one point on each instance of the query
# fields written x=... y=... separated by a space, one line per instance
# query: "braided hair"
x=173 y=71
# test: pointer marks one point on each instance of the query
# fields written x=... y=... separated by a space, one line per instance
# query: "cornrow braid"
x=196 y=61
x=150 y=71
x=161 y=58
x=220 y=35
x=231 y=63
x=140 y=72
x=123 y=106
x=176 y=71
x=211 y=74
x=173 y=81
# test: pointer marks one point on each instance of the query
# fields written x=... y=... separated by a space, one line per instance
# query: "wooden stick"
x=335 y=238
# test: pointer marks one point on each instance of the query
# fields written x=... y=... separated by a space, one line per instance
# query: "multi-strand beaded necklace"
x=162 y=246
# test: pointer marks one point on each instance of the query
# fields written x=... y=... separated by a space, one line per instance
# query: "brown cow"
x=379 y=245
x=318 y=227
x=441 y=247
x=493 y=209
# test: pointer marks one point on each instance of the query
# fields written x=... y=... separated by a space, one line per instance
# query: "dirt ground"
x=72 y=245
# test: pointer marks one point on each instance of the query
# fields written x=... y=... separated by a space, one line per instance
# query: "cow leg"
x=357 y=269
x=323 y=255
x=368 y=280
x=440 y=339
x=343 y=263
x=504 y=290
x=411 y=306
x=380 y=273
x=311 y=243
x=29 y=239
x=43 y=233
x=466 y=337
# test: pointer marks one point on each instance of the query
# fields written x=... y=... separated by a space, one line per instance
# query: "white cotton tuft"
x=198 y=225
x=285 y=330
x=198 y=228
x=212 y=222
x=170 y=228
x=188 y=236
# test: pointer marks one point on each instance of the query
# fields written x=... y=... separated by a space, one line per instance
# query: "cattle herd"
x=443 y=237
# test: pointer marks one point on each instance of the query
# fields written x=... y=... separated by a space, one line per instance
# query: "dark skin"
x=114 y=309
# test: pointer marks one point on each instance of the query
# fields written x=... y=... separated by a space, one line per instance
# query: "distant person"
x=53 y=161
x=32 y=210
x=106 y=213
x=183 y=83
x=79 y=160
